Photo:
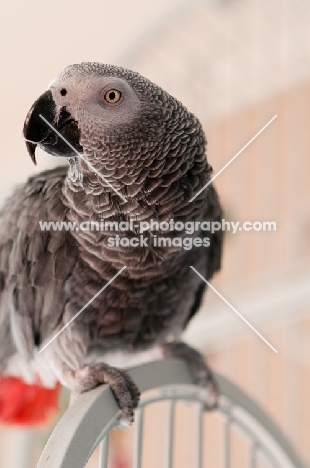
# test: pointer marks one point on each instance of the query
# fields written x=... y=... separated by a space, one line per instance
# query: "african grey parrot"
x=150 y=152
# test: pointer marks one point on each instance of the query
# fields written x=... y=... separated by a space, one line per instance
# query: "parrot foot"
x=123 y=388
x=201 y=372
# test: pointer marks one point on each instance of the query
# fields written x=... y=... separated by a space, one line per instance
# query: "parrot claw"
x=213 y=393
x=121 y=384
x=127 y=396
x=202 y=375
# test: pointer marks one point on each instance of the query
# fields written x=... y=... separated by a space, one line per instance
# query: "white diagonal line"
x=80 y=311
x=82 y=157
x=232 y=308
x=234 y=157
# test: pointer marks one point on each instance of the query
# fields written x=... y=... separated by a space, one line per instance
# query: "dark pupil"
x=112 y=96
x=63 y=92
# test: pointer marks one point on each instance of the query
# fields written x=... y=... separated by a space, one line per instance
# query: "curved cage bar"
x=87 y=423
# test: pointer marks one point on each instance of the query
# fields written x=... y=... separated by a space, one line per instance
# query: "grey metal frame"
x=87 y=423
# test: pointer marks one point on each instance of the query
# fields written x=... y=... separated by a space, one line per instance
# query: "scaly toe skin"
x=123 y=387
x=204 y=378
x=133 y=389
x=127 y=396
x=201 y=373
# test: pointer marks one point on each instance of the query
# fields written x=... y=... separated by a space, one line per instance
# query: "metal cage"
x=88 y=422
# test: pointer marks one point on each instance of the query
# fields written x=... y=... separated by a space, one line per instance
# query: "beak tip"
x=33 y=131
x=31 y=147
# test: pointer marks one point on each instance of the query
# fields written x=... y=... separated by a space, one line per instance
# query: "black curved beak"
x=37 y=132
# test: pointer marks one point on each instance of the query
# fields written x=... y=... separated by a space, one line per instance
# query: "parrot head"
x=123 y=124
x=82 y=98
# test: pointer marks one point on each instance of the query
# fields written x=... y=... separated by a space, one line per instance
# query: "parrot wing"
x=32 y=293
x=213 y=253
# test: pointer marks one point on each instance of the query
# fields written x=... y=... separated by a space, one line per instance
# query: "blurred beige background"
x=235 y=64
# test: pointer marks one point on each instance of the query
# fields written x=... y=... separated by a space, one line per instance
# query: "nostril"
x=63 y=91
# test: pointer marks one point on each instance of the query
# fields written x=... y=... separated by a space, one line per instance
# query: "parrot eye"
x=63 y=91
x=112 y=96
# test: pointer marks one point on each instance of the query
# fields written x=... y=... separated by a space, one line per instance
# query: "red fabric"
x=24 y=404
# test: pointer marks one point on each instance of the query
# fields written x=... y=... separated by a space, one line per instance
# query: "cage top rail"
x=95 y=413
